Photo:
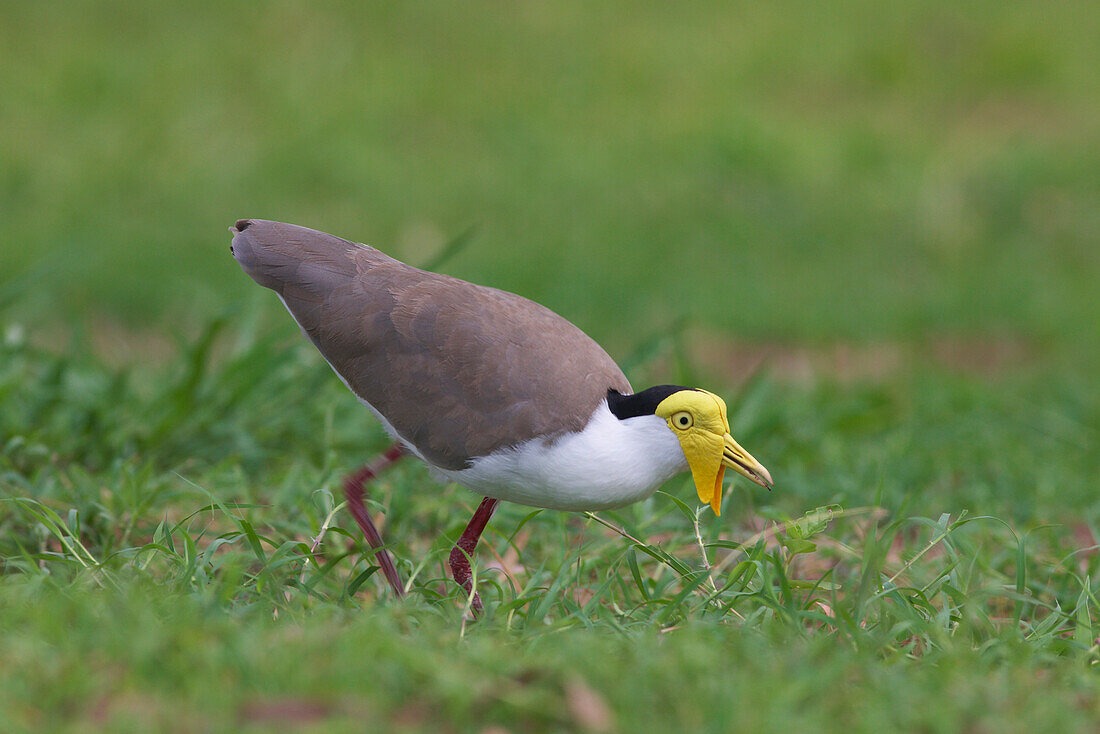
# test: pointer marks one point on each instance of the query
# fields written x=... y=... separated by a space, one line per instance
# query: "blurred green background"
x=874 y=227
x=795 y=172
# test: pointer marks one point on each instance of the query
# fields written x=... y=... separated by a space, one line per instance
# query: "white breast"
x=610 y=463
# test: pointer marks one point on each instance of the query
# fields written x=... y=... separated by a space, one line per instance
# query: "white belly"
x=609 y=464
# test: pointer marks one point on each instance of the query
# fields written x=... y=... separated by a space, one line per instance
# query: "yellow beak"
x=743 y=463
x=708 y=460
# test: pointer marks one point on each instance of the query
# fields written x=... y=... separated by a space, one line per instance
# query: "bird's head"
x=698 y=420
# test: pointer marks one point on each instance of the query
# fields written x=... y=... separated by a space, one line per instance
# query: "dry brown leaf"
x=588 y=708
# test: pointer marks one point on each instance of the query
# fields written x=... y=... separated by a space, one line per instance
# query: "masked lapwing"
x=491 y=390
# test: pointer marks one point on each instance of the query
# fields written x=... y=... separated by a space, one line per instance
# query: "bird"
x=491 y=390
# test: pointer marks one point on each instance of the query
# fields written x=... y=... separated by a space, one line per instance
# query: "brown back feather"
x=459 y=370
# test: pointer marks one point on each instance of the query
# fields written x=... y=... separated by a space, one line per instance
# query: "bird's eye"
x=682 y=420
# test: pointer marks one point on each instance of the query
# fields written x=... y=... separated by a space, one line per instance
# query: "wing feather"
x=459 y=370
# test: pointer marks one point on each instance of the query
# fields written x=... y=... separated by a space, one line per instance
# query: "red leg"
x=464 y=549
x=353 y=491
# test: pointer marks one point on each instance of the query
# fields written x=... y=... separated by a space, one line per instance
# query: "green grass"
x=156 y=529
x=874 y=231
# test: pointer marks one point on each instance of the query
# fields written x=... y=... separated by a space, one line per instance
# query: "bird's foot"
x=353 y=492
x=460 y=569
x=464 y=549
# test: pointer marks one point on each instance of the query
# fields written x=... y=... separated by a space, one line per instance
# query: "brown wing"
x=459 y=370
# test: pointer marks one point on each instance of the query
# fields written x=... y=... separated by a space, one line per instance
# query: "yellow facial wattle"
x=698 y=418
x=704 y=457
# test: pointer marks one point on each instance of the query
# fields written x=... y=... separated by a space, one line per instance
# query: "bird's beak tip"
x=743 y=463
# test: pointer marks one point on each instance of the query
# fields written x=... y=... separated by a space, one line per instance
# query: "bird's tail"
x=289 y=259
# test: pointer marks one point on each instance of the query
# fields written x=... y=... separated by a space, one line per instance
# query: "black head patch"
x=640 y=403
